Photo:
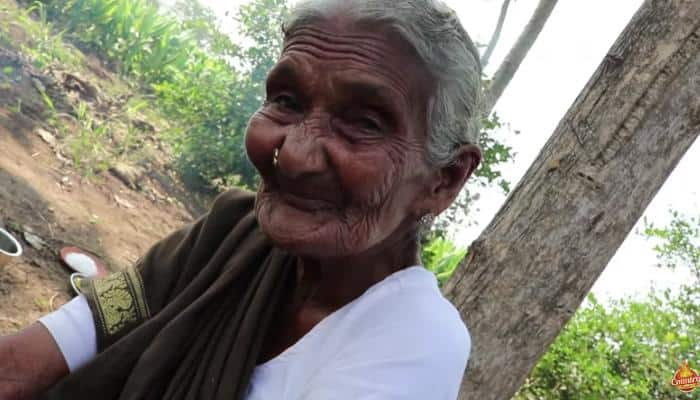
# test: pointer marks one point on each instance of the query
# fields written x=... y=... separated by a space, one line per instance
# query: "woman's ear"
x=452 y=177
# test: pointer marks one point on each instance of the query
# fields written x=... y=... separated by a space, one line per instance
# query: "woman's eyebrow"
x=369 y=93
x=284 y=74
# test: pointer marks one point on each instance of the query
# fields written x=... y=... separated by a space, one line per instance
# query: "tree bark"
x=533 y=265
x=496 y=35
x=517 y=53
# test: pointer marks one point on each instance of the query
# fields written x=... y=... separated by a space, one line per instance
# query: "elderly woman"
x=312 y=288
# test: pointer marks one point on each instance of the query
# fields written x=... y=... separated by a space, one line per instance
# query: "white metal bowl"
x=10 y=248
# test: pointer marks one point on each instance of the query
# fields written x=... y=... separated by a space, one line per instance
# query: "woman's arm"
x=30 y=363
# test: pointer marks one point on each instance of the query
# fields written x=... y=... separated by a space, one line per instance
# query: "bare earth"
x=43 y=196
x=37 y=194
x=48 y=203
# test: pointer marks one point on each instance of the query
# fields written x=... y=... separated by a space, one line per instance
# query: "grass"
x=86 y=147
x=98 y=144
x=190 y=71
x=42 y=43
x=131 y=33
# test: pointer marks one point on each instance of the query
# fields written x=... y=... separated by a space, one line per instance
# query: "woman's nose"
x=302 y=152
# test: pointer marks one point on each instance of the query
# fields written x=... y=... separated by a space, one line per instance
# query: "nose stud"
x=275 y=154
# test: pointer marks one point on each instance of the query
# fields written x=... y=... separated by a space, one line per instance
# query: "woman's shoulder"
x=402 y=339
x=408 y=311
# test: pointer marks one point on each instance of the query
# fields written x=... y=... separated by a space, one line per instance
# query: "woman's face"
x=346 y=110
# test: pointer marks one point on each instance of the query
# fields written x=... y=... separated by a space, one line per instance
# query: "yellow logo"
x=685 y=378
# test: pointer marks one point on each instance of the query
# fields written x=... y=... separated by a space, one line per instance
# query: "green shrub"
x=132 y=33
x=441 y=256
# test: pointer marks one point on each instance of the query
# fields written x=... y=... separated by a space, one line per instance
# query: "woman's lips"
x=297 y=195
x=306 y=204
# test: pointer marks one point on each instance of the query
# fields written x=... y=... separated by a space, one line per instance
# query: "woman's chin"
x=301 y=243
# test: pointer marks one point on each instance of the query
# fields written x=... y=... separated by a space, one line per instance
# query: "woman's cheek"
x=261 y=138
x=368 y=180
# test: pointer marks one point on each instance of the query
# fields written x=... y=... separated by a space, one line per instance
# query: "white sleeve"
x=397 y=361
x=73 y=329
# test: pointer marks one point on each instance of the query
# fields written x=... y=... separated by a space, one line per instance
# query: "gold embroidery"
x=120 y=302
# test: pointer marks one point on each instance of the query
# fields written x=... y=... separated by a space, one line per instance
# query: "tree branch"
x=496 y=35
x=517 y=53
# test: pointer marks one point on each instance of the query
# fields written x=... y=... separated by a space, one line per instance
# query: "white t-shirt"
x=401 y=339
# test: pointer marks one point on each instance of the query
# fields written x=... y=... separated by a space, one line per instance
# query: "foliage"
x=222 y=98
x=203 y=28
x=494 y=153
x=261 y=22
x=680 y=241
x=441 y=256
x=208 y=140
x=132 y=33
x=630 y=349
x=627 y=351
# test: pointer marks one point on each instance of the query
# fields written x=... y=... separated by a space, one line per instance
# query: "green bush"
x=131 y=33
x=441 y=256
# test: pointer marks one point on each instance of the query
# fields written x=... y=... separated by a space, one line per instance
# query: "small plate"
x=83 y=262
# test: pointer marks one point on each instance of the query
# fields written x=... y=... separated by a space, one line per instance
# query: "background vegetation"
x=629 y=349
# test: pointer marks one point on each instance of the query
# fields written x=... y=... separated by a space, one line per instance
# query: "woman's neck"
x=335 y=282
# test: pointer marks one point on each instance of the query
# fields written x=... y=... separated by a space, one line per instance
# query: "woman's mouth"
x=305 y=203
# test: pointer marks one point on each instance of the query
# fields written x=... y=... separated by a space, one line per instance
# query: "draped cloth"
x=189 y=319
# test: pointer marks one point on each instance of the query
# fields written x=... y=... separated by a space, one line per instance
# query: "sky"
x=567 y=52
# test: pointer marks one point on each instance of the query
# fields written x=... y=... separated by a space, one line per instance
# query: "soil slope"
x=48 y=203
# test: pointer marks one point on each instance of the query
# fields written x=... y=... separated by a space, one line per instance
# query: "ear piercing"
x=275 y=155
x=427 y=220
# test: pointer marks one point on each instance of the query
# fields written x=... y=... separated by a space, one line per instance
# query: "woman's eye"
x=287 y=102
x=369 y=124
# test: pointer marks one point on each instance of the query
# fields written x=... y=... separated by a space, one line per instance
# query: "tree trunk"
x=533 y=265
x=496 y=34
x=517 y=53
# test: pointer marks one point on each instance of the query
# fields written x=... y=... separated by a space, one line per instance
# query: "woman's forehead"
x=365 y=53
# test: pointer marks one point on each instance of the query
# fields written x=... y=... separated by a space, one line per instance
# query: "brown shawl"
x=188 y=321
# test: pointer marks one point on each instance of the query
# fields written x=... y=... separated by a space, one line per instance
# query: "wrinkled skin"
x=348 y=117
x=346 y=107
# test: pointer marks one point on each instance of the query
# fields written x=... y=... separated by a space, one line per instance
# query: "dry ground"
x=39 y=194
x=44 y=194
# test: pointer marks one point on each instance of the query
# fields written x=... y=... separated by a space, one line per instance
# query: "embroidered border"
x=120 y=302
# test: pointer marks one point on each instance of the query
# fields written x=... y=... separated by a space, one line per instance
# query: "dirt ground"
x=40 y=196
x=47 y=203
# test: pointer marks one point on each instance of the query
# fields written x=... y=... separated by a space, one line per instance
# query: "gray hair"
x=434 y=31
